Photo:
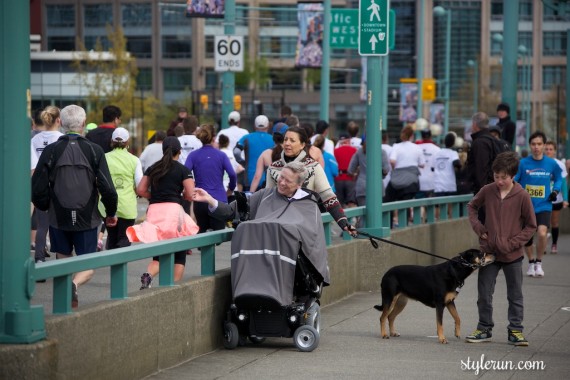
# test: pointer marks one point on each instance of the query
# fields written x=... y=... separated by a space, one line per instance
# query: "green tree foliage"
x=255 y=74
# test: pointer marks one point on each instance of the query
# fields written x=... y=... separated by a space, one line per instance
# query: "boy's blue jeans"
x=486 y=287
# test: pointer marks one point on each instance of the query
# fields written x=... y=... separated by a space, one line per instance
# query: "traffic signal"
x=237 y=102
x=204 y=101
x=428 y=89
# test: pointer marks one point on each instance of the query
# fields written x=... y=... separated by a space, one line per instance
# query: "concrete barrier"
x=159 y=328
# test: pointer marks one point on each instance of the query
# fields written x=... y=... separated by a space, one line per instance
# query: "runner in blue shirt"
x=253 y=144
x=534 y=175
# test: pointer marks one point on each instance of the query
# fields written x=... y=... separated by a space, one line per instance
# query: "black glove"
x=552 y=196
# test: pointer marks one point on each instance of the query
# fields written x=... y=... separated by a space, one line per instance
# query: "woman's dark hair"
x=223 y=141
x=118 y=144
x=170 y=148
x=206 y=134
x=276 y=154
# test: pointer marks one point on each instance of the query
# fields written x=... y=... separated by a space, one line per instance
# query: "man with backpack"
x=70 y=175
x=484 y=149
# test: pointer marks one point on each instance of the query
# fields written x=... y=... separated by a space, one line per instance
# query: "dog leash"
x=375 y=245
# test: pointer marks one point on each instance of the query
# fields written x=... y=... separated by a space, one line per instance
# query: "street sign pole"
x=325 y=69
x=373 y=30
x=228 y=77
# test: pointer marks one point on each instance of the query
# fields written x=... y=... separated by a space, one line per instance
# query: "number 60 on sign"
x=228 y=53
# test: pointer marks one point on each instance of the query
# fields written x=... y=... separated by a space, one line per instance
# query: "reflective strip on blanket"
x=263 y=252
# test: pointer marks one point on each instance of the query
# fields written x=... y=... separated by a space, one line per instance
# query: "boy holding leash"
x=510 y=223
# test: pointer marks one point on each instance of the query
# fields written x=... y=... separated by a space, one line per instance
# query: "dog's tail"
x=378 y=307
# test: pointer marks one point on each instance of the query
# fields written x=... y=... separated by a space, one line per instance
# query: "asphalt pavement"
x=351 y=348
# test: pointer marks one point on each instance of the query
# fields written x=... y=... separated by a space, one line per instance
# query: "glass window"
x=212 y=79
x=61 y=43
x=553 y=76
x=275 y=17
x=177 y=79
x=136 y=19
x=554 y=43
x=144 y=79
x=136 y=15
x=97 y=15
x=525 y=39
x=525 y=10
x=91 y=41
x=209 y=46
x=139 y=46
x=550 y=14
x=176 y=47
x=176 y=38
x=523 y=73
x=277 y=47
x=60 y=16
x=60 y=30
x=497 y=10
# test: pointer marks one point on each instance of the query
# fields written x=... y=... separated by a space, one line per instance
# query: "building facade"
x=175 y=55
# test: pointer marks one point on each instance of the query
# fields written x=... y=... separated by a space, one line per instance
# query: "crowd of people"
x=188 y=156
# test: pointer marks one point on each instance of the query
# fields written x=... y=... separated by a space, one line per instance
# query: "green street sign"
x=344 y=28
x=373 y=29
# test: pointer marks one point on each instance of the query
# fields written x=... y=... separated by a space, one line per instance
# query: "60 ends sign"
x=228 y=53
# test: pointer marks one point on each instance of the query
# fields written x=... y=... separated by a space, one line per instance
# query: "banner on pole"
x=205 y=8
x=309 y=52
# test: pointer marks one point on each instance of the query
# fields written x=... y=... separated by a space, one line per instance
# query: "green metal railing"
x=117 y=259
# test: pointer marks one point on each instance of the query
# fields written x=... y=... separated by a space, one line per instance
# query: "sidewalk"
x=351 y=347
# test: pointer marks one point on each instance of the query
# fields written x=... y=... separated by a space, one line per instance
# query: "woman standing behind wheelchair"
x=296 y=148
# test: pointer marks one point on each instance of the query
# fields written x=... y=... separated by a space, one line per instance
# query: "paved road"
x=351 y=348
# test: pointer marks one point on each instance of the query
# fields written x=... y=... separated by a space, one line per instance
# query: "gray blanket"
x=265 y=249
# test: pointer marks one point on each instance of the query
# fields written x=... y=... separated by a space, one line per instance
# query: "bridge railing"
x=117 y=259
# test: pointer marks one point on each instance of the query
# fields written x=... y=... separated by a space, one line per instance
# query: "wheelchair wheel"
x=231 y=335
x=306 y=338
x=256 y=339
x=314 y=318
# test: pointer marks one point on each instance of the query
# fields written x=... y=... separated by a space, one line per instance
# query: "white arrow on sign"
x=373 y=40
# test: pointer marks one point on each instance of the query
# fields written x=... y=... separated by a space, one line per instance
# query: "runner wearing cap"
x=253 y=144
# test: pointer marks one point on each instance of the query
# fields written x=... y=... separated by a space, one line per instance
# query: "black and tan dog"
x=435 y=286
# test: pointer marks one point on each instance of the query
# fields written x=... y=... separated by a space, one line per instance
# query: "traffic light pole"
x=228 y=77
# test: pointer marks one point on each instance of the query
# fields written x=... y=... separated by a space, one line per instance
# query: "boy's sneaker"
x=146 y=279
x=74 y=298
x=479 y=336
x=530 y=272
x=516 y=338
x=554 y=249
x=538 y=272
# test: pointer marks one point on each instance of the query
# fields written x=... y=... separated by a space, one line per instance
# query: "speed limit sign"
x=228 y=53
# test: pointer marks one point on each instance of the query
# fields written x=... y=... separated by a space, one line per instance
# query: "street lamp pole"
x=475 y=65
x=441 y=11
x=526 y=88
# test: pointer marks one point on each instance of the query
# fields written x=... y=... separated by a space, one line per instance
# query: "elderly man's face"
x=287 y=183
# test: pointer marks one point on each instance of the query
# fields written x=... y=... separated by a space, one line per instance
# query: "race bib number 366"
x=535 y=191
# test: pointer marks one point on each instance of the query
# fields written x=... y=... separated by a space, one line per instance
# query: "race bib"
x=535 y=191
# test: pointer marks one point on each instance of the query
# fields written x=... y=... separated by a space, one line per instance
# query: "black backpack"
x=499 y=146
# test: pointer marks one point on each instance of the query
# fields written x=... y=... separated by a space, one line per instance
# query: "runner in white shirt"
x=429 y=150
x=51 y=120
x=234 y=132
x=444 y=164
